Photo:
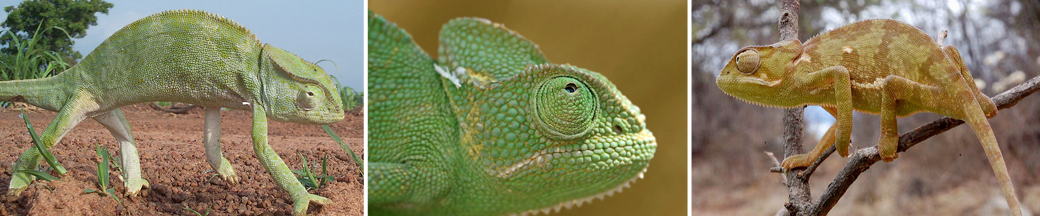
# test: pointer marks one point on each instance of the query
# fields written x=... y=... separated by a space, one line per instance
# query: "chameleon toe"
x=796 y=161
x=300 y=206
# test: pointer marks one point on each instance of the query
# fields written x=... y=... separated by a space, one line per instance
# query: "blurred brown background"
x=945 y=175
x=639 y=46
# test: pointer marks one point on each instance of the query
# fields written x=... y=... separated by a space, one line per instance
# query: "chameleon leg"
x=116 y=124
x=211 y=133
x=68 y=117
x=988 y=107
x=975 y=118
x=804 y=160
x=277 y=168
x=892 y=94
x=841 y=131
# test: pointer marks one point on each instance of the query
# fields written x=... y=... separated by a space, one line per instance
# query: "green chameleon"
x=184 y=56
x=491 y=127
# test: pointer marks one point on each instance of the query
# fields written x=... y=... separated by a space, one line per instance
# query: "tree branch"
x=865 y=157
x=798 y=192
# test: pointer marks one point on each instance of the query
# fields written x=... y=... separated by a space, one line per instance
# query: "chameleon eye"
x=305 y=100
x=565 y=108
x=747 y=61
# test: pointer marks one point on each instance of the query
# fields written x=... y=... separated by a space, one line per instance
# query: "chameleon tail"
x=977 y=120
x=47 y=93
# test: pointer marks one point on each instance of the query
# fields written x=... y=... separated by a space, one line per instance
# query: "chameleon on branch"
x=184 y=56
x=491 y=127
x=878 y=66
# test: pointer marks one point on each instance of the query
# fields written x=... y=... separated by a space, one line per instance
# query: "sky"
x=313 y=30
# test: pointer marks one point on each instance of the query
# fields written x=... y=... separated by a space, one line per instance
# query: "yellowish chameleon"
x=882 y=67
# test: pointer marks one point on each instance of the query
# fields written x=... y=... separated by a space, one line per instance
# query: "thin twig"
x=783 y=176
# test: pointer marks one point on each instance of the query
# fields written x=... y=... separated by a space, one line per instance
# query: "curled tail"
x=47 y=93
x=976 y=118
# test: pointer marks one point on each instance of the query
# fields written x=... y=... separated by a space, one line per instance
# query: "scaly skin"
x=492 y=128
x=191 y=57
x=875 y=66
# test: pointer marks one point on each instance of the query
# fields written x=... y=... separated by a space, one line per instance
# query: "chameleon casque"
x=184 y=56
x=882 y=67
x=491 y=127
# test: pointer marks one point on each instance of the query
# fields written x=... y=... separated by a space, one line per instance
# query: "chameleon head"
x=558 y=134
x=756 y=73
x=298 y=91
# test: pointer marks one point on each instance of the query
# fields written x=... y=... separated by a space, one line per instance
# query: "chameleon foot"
x=19 y=182
x=795 y=161
x=228 y=174
x=300 y=205
x=887 y=152
x=134 y=187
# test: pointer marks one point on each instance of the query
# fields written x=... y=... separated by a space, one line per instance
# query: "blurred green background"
x=639 y=46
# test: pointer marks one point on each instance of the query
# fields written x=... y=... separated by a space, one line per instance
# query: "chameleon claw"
x=19 y=182
x=231 y=179
x=134 y=187
x=300 y=205
x=14 y=193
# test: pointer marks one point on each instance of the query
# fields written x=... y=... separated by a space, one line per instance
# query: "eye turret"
x=747 y=61
x=565 y=107
x=306 y=100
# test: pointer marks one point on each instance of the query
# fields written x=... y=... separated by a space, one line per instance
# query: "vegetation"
x=102 y=173
x=307 y=177
x=46 y=154
x=197 y=212
x=351 y=99
x=358 y=162
x=29 y=61
x=74 y=16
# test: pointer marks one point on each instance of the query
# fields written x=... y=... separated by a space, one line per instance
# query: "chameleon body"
x=491 y=127
x=183 y=56
x=882 y=67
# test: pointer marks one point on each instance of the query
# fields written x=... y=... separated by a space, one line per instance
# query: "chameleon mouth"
x=727 y=85
x=622 y=150
x=578 y=202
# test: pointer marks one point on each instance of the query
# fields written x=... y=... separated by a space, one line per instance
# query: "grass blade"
x=39 y=175
x=102 y=168
x=47 y=156
x=308 y=173
x=324 y=169
x=360 y=164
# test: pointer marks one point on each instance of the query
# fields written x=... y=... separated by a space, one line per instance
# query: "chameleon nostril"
x=617 y=129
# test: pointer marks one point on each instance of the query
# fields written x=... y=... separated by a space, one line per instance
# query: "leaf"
x=360 y=164
x=39 y=175
x=102 y=168
x=47 y=156
x=112 y=191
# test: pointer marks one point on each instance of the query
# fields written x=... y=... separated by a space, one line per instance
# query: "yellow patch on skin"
x=805 y=58
x=846 y=49
x=876 y=85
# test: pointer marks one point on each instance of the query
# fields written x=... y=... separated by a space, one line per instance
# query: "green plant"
x=46 y=154
x=307 y=177
x=102 y=171
x=197 y=212
x=360 y=164
x=29 y=61
x=351 y=99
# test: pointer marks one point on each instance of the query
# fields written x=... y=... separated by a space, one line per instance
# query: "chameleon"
x=491 y=127
x=186 y=56
x=878 y=66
